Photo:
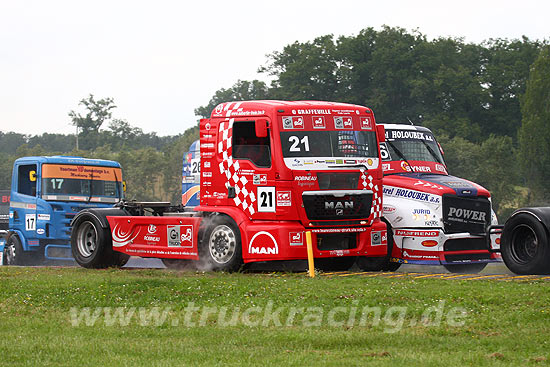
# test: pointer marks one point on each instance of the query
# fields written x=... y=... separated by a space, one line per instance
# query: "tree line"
x=487 y=103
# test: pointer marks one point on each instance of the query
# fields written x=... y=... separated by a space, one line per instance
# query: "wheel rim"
x=86 y=239
x=524 y=245
x=222 y=244
x=10 y=253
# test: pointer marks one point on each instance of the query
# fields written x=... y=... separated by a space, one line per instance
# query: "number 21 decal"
x=266 y=199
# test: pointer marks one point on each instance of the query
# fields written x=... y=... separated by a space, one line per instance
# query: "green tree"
x=534 y=135
x=97 y=112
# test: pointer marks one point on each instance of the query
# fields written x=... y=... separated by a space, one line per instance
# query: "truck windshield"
x=327 y=144
x=81 y=183
x=412 y=145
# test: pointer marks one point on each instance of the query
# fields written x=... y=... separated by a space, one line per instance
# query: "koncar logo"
x=263 y=243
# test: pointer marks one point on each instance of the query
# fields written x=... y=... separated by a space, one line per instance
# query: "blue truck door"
x=23 y=204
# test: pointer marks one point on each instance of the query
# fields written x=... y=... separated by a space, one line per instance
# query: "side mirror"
x=260 y=126
x=32 y=176
x=381 y=132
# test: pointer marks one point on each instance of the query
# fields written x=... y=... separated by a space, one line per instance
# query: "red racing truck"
x=433 y=218
x=269 y=171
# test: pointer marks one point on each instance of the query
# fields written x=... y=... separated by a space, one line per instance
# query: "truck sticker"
x=284 y=198
x=263 y=243
x=266 y=199
x=260 y=179
x=343 y=122
x=413 y=233
x=365 y=123
x=318 y=122
x=44 y=217
x=180 y=236
x=30 y=222
x=293 y=122
x=411 y=194
x=296 y=238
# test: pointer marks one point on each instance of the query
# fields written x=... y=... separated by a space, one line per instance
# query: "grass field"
x=74 y=316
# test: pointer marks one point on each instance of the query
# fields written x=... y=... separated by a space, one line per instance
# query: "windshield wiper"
x=431 y=151
x=400 y=154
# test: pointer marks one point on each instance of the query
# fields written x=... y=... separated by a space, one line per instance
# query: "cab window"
x=25 y=184
x=247 y=146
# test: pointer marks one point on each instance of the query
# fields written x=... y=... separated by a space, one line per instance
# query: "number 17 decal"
x=266 y=199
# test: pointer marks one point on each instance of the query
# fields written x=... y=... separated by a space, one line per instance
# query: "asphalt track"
x=493 y=271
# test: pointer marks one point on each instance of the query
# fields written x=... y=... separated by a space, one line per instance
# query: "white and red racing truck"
x=433 y=218
x=269 y=172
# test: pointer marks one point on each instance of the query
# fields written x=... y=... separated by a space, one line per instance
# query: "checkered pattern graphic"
x=244 y=194
x=376 y=208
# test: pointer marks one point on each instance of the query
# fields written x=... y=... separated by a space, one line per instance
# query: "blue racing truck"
x=46 y=193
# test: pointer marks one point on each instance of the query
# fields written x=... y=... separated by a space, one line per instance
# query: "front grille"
x=338 y=181
x=465 y=244
x=321 y=206
x=336 y=241
x=462 y=214
x=466 y=257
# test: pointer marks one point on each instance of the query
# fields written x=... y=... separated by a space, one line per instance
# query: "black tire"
x=382 y=263
x=220 y=248
x=335 y=263
x=471 y=268
x=524 y=245
x=13 y=251
x=91 y=244
x=178 y=264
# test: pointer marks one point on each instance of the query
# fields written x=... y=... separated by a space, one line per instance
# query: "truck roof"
x=391 y=126
x=261 y=107
x=63 y=159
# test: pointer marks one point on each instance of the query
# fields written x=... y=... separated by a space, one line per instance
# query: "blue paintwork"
x=461 y=186
x=52 y=218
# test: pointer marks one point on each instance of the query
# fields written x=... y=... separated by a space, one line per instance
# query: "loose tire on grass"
x=524 y=245
x=472 y=268
x=382 y=263
x=220 y=248
x=91 y=244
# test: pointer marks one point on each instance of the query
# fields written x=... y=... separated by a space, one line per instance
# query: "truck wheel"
x=13 y=251
x=383 y=263
x=472 y=268
x=525 y=248
x=335 y=263
x=178 y=264
x=221 y=248
x=90 y=242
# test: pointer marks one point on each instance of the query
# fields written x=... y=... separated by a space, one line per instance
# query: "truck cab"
x=435 y=218
x=46 y=193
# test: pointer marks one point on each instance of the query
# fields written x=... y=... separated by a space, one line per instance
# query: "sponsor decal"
x=370 y=161
x=386 y=167
x=218 y=110
x=206 y=164
x=207 y=145
x=457 y=184
x=40 y=231
x=311 y=112
x=331 y=161
x=263 y=243
x=152 y=229
x=414 y=256
x=122 y=237
x=421 y=211
x=465 y=215
x=5 y=199
x=431 y=223
x=350 y=161
x=365 y=123
x=378 y=238
x=43 y=217
x=414 y=233
x=408 y=134
x=305 y=178
x=293 y=122
x=180 y=236
x=260 y=179
x=318 y=122
x=343 y=122
x=389 y=209
x=440 y=168
x=208 y=126
x=11 y=215
x=207 y=174
x=411 y=194
x=284 y=198
x=338 y=230
x=296 y=238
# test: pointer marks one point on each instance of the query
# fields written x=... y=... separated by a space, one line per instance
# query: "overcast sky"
x=161 y=59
